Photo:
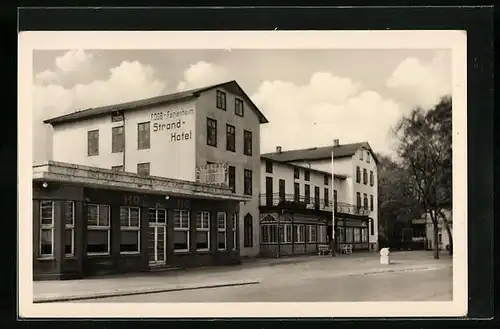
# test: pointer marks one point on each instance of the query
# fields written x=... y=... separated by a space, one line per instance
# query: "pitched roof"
x=231 y=86
x=319 y=153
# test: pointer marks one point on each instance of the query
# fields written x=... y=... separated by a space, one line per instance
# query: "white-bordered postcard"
x=242 y=174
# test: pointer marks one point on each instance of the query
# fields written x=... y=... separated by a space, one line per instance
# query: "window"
x=364 y=234
x=157 y=216
x=365 y=177
x=281 y=189
x=181 y=230
x=232 y=178
x=325 y=179
x=371 y=178
x=234 y=225
x=221 y=100
x=269 y=233
x=116 y=116
x=371 y=202
x=93 y=142
x=69 y=240
x=335 y=199
x=211 y=132
x=143 y=169
x=307 y=193
x=130 y=230
x=247 y=142
x=365 y=201
x=358 y=200
x=321 y=233
x=202 y=230
x=286 y=233
x=117 y=168
x=98 y=229
x=368 y=156
x=296 y=192
x=230 y=138
x=118 y=139
x=143 y=136
x=248 y=182
x=361 y=154
x=348 y=234
x=357 y=234
x=46 y=229
x=238 y=107
x=311 y=233
x=307 y=175
x=248 y=231
x=327 y=197
x=372 y=226
x=221 y=231
x=296 y=173
x=269 y=166
x=358 y=174
x=299 y=233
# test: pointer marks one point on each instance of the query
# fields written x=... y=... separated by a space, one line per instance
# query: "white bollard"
x=385 y=256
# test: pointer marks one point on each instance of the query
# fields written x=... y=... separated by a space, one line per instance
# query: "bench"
x=323 y=249
x=346 y=248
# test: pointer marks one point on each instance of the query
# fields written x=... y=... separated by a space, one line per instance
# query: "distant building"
x=174 y=136
x=296 y=199
x=423 y=230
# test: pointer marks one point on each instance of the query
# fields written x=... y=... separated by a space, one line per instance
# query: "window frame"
x=200 y=228
x=368 y=156
x=220 y=100
x=372 y=180
x=307 y=175
x=247 y=142
x=269 y=166
x=46 y=227
x=358 y=200
x=310 y=228
x=296 y=173
x=297 y=236
x=365 y=201
x=71 y=228
x=248 y=182
x=99 y=227
x=211 y=132
x=326 y=179
x=365 y=176
x=231 y=172
x=234 y=224
x=130 y=228
x=187 y=229
x=115 y=143
x=296 y=192
x=358 y=174
x=236 y=102
x=230 y=137
x=307 y=193
x=326 y=199
x=141 y=144
x=139 y=165
x=248 y=231
x=371 y=202
x=95 y=139
x=221 y=230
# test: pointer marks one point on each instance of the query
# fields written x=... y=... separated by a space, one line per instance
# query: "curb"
x=138 y=292
x=398 y=270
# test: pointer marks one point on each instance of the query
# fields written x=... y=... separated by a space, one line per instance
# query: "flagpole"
x=334 y=244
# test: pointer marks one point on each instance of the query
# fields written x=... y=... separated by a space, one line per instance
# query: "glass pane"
x=152 y=215
x=69 y=212
x=221 y=240
x=68 y=239
x=129 y=241
x=161 y=243
x=151 y=243
x=124 y=215
x=199 y=219
x=97 y=241
x=92 y=213
x=103 y=215
x=46 y=242
x=201 y=240
x=221 y=220
x=46 y=209
x=180 y=240
x=134 y=217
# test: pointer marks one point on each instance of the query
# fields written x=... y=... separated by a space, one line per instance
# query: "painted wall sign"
x=174 y=123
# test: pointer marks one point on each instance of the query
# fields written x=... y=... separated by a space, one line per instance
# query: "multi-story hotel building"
x=297 y=199
x=172 y=137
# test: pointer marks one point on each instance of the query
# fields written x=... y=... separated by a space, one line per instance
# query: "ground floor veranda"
x=101 y=222
x=289 y=233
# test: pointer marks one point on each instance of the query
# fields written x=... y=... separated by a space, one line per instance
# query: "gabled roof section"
x=231 y=86
x=319 y=153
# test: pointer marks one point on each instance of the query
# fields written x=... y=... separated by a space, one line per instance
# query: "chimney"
x=335 y=142
x=278 y=149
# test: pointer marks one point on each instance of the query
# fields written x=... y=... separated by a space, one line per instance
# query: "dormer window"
x=361 y=155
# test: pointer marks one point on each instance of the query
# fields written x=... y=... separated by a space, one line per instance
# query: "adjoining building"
x=423 y=231
x=297 y=201
x=90 y=221
x=175 y=136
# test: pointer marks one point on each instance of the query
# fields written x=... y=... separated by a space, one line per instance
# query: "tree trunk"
x=435 y=231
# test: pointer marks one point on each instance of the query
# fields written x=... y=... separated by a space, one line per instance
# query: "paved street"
x=419 y=285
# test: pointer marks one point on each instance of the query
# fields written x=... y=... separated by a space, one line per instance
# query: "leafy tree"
x=426 y=153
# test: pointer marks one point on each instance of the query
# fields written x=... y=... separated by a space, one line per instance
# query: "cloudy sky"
x=310 y=97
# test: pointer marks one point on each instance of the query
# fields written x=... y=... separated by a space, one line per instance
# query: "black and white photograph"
x=301 y=172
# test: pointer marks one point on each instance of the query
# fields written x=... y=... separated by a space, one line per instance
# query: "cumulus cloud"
x=127 y=82
x=203 y=74
x=46 y=76
x=417 y=83
x=327 y=107
x=73 y=60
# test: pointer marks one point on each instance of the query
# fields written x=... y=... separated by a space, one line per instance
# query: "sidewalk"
x=250 y=272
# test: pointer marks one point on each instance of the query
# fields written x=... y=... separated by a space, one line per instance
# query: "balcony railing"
x=301 y=201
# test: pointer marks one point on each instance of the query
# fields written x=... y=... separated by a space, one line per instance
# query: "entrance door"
x=157 y=237
x=269 y=191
